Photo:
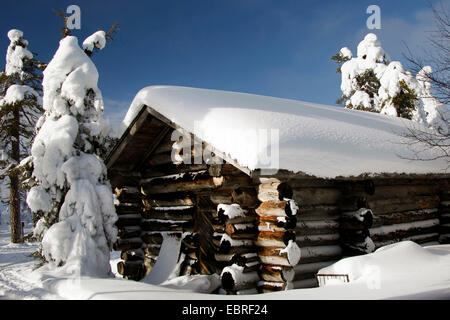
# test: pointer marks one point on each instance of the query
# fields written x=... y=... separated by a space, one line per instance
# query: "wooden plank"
x=404 y=217
x=313 y=254
x=316 y=227
x=205 y=182
x=404 y=204
x=404 y=230
x=180 y=213
x=316 y=196
x=170 y=168
x=127 y=244
x=318 y=240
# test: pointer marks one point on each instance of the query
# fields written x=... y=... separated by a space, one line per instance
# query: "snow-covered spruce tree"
x=20 y=107
x=372 y=82
x=72 y=194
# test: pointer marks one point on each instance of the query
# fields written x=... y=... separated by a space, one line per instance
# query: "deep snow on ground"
x=400 y=271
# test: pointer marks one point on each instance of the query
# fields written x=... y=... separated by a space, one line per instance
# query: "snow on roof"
x=324 y=141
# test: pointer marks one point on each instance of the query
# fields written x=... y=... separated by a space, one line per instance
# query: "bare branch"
x=64 y=30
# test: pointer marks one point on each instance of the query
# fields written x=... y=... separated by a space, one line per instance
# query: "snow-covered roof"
x=324 y=141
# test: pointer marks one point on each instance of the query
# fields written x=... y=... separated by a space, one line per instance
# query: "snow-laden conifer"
x=371 y=81
x=20 y=107
x=73 y=194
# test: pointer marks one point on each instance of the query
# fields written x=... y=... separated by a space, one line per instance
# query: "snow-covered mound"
x=266 y=132
x=394 y=262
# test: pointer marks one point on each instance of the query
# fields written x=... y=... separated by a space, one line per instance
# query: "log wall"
x=263 y=234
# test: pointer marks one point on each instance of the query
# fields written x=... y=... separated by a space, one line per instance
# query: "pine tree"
x=20 y=107
x=72 y=194
x=372 y=82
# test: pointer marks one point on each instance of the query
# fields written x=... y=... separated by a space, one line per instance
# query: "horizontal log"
x=274 y=191
x=128 y=194
x=320 y=253
x=404 y=217
x=128 y=220
x=170 y=168
x=404 y=204
x=165 y=225
x=409 y=179
x=277 y=273
x=319 y=212
x=274 y=239
x=317 y=240
x=129 y=208
x=181 y=213
x=296 y=180
x=316 y=227
x=127 y=244
x=200 y=182
x=403 y=230
x=129 y=232
x=404 y=191
x=316 y=196
x=168 y=201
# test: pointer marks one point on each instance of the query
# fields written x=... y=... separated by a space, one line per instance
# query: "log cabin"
x=265 y=191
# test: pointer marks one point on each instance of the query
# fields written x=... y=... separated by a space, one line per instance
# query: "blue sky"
x=274 y=48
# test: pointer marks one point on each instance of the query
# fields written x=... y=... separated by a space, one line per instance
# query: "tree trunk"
x=14 y=192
